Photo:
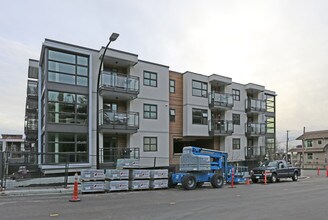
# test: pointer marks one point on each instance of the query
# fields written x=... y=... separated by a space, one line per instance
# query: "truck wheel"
x=170 y=182
x=295 y=176
x=189 y=182
x=255 y=180
x=273 y=178
x=217 y=181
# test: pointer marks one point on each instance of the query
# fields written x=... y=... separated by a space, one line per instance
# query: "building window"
x=67 y=147
x=236 y=94
x=319 y=142
x=68 y=68
x=150 y=79
x=199 y=88
x=270 y=125
x=172 y=86
x=199 y=116
x=309 y=143
x=150 y=144
x=150 y=111
x=236 y=119
x=310 y=156
x=172 y=115
x=270 y=103
x=64 y=107
x=235 y=144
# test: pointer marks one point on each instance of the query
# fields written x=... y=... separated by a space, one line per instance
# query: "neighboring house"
x=145 y=109
x=315 y=149
x=13 y=144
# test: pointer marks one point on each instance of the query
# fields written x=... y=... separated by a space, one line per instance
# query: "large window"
x=199 y=88
x=199 y=116
x=310 y=156
x=66 y=147
x=236 y=119
x=150 y=111
x=270 y=103
x=270 y=125
x=150 y=144
x=235 y=144
x=172 y=86
x=66 y=107
x=236 y=94
x=68 y=68
x=150 y=79
x=308 y=143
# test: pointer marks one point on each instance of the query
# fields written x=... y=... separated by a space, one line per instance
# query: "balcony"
x=254 y=152
x=31 y=105
x=31 y=128
x=220 y=100
x=118 y=122
x=255 y=129
x=110 y=155
x=118 y=86
x=255 y=106
x=32 y=88
x=221 y=128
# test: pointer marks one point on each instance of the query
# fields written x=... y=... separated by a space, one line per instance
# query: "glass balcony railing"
x=119 y=82
x=32 y=88
x=255 y=105
x=221 y=127
x=112 y=154
x=123 y=120
x=220 y=100
x=254 y=152
x=255 y=128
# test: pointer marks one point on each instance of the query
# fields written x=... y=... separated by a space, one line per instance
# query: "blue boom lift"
x=199 y=165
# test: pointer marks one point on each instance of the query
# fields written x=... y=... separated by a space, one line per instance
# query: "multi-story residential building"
x=145 y=111
x=314 y=150
x=13 y=144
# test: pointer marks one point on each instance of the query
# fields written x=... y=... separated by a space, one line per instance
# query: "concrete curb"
x=27 y=192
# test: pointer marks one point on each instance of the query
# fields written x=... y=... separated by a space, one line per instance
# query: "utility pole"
x=287 y=146
x=303 y=145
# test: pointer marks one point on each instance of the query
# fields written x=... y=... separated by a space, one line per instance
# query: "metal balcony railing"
x=217 y=100
x=32 y=88
x=119 y=82
x=255 y=129
x=254 y=152
x=112 y=154
x=123 y=120
x=255 y=105
x=221 y=127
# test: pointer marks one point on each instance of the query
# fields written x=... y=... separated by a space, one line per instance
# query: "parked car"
x=275 y=170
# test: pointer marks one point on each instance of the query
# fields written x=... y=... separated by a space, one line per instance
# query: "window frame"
x=235 y=146
x=309 y=143
x=236 y=94
x=204 y=120
x=150 y=111
x=172 y=86
x=150 y=144
x=203 y=91
x=172 y=116
x=147 y=81
x=309 y=156
x=234 y=119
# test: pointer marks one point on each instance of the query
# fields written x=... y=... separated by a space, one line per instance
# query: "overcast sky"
x=281 y=44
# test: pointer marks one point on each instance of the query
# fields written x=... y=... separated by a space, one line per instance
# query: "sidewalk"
x=36 y=191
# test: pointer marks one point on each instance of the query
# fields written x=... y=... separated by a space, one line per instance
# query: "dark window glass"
x=199 y=116
x=236 y=119
x=236 y=144
x=236 y=94
x=172 y=86
x=150 y=111
x=150 y=79
x=172 y=115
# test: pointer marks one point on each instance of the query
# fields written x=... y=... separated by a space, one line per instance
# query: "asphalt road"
x=305 y=199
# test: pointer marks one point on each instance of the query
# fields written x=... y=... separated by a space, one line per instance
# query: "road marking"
x=172 y=203
x=54 y=215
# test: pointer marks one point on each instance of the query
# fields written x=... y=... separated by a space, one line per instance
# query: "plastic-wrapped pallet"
x=112 y=174
x=158 y=184
x=117 y=185
x=159 y=174
x=139 y=184
x=92 y=175
x=96 y=186
x=139 y=174
x=127 y=163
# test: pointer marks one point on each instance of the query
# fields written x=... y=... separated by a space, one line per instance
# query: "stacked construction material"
x=116 y=180
x=159 y=179
x=139 y=179
x=92 y=180
x=127 y=163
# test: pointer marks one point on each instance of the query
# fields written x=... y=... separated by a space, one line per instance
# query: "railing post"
x=154 y=162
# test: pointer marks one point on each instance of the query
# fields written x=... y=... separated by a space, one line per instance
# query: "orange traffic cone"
x=247 y=181
x=75 y=197
x=318 y=171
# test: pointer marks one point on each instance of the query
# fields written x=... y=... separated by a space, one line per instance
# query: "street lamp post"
x=113 y=37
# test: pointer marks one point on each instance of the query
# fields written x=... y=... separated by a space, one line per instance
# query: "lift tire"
x=170 y=181
x=189 y=182
x=217 y=181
